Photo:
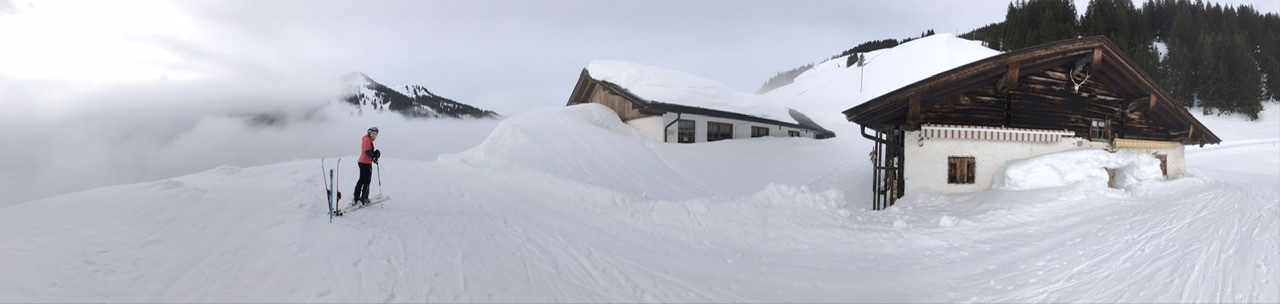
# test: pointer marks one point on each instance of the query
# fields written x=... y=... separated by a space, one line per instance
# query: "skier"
x=368 y=157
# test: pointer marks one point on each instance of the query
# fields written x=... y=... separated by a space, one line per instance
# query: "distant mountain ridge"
x=414 y=102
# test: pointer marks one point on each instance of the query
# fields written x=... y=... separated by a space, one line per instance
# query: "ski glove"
x=377 y=154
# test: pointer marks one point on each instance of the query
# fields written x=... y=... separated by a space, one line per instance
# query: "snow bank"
x=675 y=87
x=588 y=144
x=1078 y=166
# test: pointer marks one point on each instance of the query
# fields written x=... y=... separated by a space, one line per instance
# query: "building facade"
x=680 y=123
x=954 y=131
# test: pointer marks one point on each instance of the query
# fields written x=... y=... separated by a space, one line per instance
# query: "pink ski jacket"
x=366 y=148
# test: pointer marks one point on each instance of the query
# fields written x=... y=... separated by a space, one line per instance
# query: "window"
x=793 y=133
x=685 y=133
x=717 y=131
x=960 y=169
x=759 y=131
x=1098 y=130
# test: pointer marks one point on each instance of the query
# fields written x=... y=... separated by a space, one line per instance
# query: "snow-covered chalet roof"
x=674 y=87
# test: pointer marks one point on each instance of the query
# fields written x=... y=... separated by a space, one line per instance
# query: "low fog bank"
x=63 y=141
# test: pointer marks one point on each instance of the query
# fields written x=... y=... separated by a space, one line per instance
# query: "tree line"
x=1223 y=59
x=1208 y=55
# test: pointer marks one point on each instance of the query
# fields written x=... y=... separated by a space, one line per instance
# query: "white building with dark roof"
x=672 y=106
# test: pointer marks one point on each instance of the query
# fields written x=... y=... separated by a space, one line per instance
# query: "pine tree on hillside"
x=1182 y=61
x=1034 y=22
x=1243 y=85
x=990 y=35
x=783 y=78
x=1263 y=33
x=1159 y=17
x=1212 y=77
x=1121 y=23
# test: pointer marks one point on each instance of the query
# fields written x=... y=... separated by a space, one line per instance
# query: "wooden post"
x=1097 y=56
x=913 y=112
x=1012 y=81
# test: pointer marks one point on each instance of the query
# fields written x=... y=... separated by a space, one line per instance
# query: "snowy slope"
x=832 y=87
x=494 y=224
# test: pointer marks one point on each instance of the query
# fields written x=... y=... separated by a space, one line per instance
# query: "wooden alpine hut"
x=953 y=131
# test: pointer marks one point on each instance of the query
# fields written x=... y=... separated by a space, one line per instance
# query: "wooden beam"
x=1012 y=81
x=1152 y=104
x=1097 y=56
x=913 y=112
x=1008 y=110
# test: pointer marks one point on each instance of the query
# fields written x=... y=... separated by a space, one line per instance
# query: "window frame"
x=793 y=133
x=755 y=131
x=1099 y=130
x=961 y=170
x=713 y=129
x=681 y=132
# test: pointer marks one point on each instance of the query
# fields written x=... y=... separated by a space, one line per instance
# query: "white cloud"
x=148 y=131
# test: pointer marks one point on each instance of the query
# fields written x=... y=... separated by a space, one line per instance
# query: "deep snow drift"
x=1079 y=166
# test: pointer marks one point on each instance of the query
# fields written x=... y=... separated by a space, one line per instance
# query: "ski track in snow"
x=444 y=239
x=544 y=211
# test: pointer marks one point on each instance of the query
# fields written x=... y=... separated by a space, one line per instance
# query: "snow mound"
x=675 y=87
x=1088 y=166
x=588 y=144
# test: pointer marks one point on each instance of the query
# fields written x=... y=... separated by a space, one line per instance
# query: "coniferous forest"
x=1223 y=59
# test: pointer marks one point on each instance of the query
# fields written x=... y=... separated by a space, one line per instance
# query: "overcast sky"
x=510 y=56
x=135 y=90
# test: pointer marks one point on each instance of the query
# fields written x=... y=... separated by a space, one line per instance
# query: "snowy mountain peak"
x=414 y=102
x=417 y=90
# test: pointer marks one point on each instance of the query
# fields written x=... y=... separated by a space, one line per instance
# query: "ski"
x=372 y=201
x=330 y=189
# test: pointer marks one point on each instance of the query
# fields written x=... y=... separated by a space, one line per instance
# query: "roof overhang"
x=1100 y=53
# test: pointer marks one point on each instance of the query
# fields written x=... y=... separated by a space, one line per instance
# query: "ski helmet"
x=373 y=129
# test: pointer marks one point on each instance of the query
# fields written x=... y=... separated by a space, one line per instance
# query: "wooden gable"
x=627 y=105
x=1064 y=85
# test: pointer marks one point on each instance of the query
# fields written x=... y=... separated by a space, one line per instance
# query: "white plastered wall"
x=926 y=163
x=654 y=127
x=926 y=158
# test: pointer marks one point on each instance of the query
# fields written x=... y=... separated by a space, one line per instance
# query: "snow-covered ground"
x=570 y=205
x=595 y=214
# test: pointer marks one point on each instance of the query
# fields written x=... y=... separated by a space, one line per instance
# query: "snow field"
x=488 y=226
x=569 y=205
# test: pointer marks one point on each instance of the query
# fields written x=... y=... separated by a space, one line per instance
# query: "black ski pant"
x=362 y=185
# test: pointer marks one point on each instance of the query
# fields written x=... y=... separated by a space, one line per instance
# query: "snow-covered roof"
x=674 y=87
x=1163 y=117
